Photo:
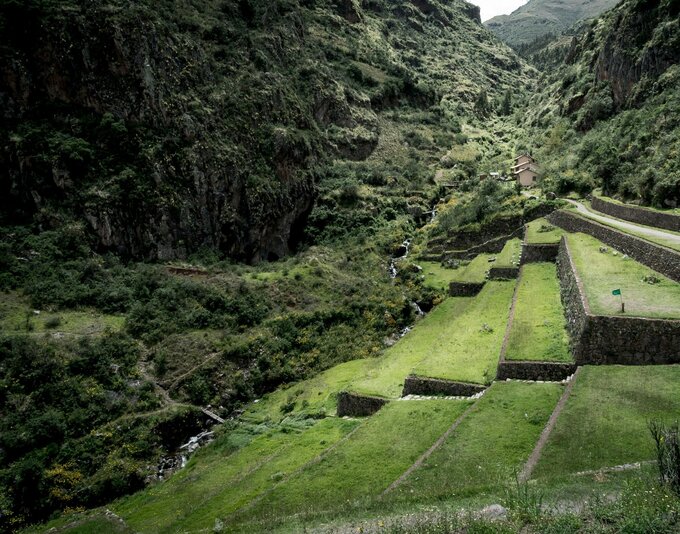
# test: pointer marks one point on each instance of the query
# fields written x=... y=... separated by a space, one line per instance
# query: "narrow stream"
x=402 y=253
x=173 y=462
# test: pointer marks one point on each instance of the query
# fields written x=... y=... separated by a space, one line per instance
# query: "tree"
x=482 y=106
x=506 y=103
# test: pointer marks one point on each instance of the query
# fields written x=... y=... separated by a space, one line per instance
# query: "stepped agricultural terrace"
x=483 y=388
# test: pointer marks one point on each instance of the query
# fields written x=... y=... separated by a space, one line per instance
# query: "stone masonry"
x=661 y=259
x=418 y=385
x=637 y=215
x=537 y=253
x=610 y=339
x=358 y=405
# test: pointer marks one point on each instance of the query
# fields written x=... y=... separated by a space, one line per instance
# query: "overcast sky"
x=491 y=8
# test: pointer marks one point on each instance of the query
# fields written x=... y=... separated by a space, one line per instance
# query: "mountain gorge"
x=158 y=157
x=204 y=124
x=236 y=211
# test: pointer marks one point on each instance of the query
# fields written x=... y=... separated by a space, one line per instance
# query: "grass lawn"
x=604 y=422
x=475 y=271
x=541 y=231
x=16 y=316
x=509 y=256
x=460 y=340
x=490 y=445
x=317 y=395
x=218 y=480
x=438 y=277
x=366 y=464
x=386 y=378
x=469 y=348
x=539 y=329
x=603 y=272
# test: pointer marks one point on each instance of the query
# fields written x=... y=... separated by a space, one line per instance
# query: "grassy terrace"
x=541 y=232
x=16 y=316
x=439 y=277
x=603 y=272
x=459 y=340
x=490 y=445
x=222 y=478
x=509 y=256
x=314 y=397
x=476 y=270
x=604 y=423
x=387 y=376
x=538 y=330
x=360 y=468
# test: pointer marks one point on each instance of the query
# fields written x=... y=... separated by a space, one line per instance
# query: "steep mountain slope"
x=612 y=106
x=214 y=131
x=538 y=18
x=173 y=126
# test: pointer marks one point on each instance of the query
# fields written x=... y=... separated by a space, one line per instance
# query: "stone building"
x=525 y=170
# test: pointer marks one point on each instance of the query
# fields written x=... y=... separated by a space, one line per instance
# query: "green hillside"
x=538 y=19
x=231 y=232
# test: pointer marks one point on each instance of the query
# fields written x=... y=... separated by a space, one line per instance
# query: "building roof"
x=530 y=168
x=523 y=155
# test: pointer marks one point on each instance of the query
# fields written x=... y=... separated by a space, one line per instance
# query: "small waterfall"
x=419 y=312
x=174 y=462
x=433 y=212
x=402 y=252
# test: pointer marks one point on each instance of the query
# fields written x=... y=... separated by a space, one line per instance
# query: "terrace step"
x=439 y=397
x=351 y=404
x=424 y=386
x=535 y=371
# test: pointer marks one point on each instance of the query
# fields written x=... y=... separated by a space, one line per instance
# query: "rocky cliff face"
x=613 y=105
x=642 y=39
x=169 y=126
x=125 y=118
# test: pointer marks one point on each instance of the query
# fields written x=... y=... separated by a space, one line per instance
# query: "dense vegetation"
x=228 y=134
x=214 y=132
x=608 y=115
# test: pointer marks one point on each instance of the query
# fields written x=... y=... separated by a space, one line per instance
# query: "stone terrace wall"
x=612 y=339
x=493 y=246
x=537 y=253
x=637 y=215
x=630 y=341
x=465 y=289
x=500 y=226
x=358 y=405
x=573 y=300
x=525 y=370
x=503 y=273
x=418 y=385
x=661 y=259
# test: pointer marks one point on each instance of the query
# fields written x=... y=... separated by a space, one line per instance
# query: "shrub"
x=53 y=322
x=667 y=439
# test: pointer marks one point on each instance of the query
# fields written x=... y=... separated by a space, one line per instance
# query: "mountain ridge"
x=539 y=18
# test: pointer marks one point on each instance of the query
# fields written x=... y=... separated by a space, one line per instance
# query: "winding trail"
x=626 y=226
